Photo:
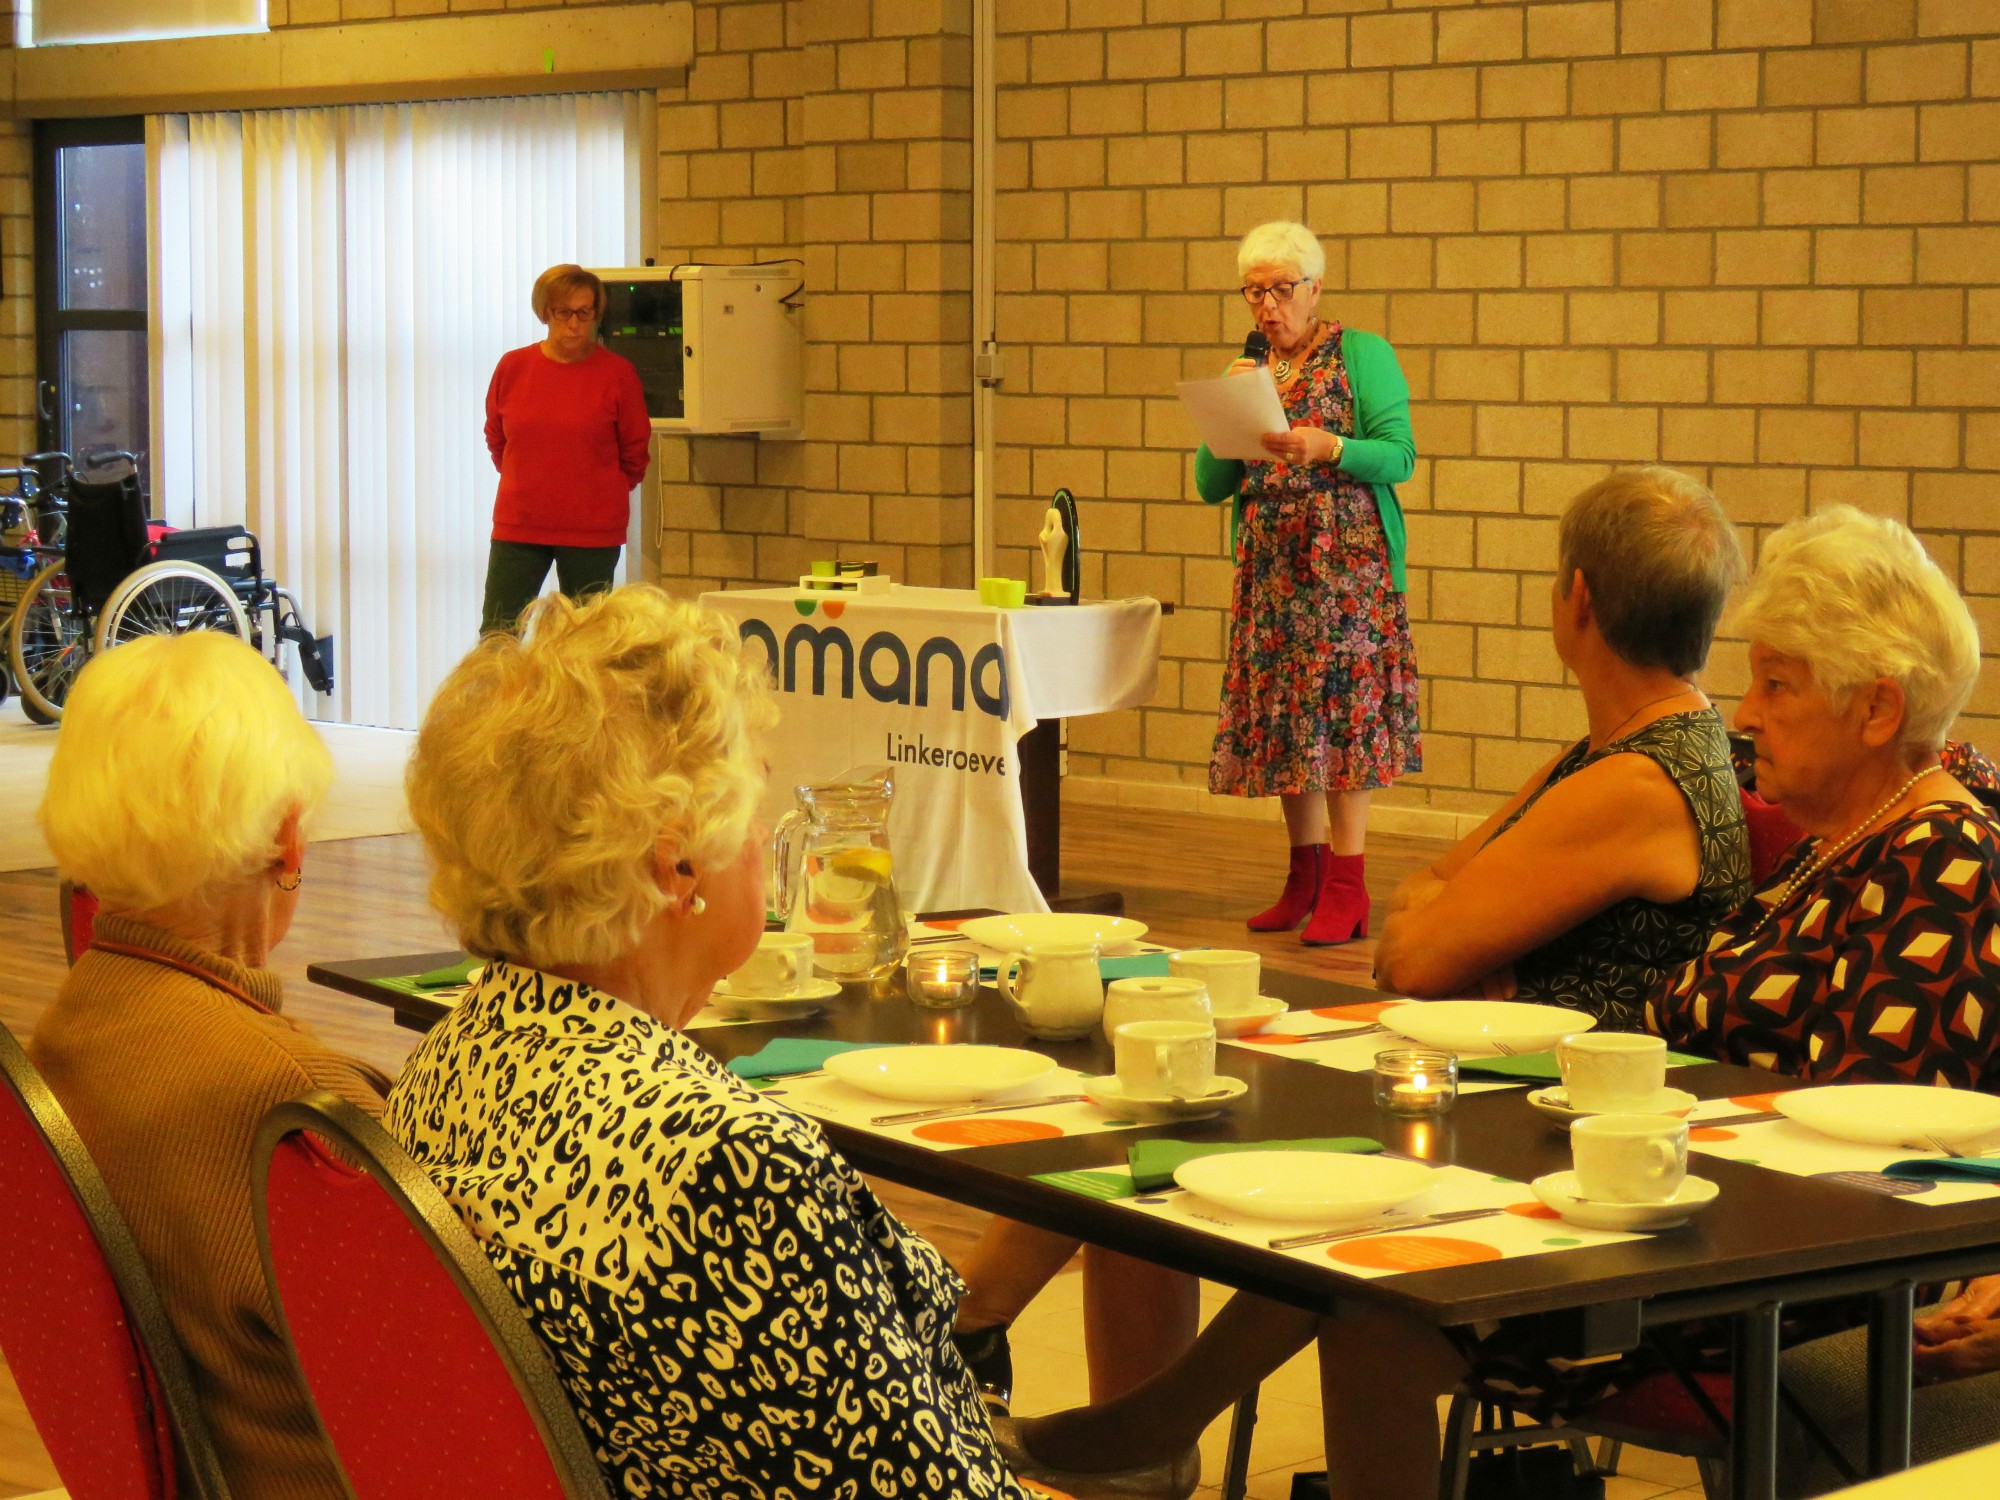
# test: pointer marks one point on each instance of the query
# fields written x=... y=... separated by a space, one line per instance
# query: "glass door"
x=92 y=395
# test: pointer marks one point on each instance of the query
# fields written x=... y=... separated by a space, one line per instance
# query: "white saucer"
x=1554 y=1102
x=1249 y=1018
x=809 y=999
x=1108 y=1095
x=1558 y=1191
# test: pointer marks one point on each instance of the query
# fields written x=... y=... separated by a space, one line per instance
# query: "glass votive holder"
x=1416 y=1081
x=942 y=981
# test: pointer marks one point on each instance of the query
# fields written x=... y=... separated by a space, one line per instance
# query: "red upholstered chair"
x=83 y=1331
x=78 y=910
x=425 y=1375
x=1772 y=836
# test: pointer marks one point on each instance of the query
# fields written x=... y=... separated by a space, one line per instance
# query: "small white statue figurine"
x=1055 y=542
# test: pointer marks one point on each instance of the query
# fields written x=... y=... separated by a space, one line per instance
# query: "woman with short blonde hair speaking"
x=182 y=781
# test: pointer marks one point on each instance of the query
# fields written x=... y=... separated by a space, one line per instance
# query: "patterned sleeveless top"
x=1612 y=963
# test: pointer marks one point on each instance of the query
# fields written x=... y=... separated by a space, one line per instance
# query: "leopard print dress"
x=732 y=1310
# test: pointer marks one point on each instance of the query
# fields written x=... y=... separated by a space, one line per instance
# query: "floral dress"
x=1320 y=691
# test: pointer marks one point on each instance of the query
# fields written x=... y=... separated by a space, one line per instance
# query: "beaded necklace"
x=1798 y=881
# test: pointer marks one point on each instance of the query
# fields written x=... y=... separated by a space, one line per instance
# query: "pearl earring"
x=696 y=905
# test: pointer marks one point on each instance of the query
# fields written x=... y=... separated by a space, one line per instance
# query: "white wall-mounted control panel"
x=719 y=349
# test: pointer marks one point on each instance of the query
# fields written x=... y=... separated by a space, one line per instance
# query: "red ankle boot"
x=1301 y=890
x=1341 y=913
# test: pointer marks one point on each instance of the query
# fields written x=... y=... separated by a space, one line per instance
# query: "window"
x=45 y=23
x=90 y=286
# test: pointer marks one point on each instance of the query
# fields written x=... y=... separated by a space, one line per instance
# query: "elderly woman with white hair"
x=730 y=1307
x=1319 y=697
x=1873 y=951
x=178 y=793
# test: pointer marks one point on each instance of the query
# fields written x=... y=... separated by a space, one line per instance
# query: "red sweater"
x=570 y=442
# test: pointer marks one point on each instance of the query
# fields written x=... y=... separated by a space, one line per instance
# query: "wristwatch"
x=1339 y=447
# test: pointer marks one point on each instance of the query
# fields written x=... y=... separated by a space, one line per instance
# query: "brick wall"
x=837 y=131
x=1755 y=239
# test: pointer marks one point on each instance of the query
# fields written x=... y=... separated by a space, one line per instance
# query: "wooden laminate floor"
x=1191 y=878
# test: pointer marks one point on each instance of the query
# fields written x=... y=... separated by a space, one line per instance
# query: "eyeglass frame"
x=1257 y=295
x=575 y=314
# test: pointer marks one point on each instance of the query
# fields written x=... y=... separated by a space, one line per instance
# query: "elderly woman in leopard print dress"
x=730 y=1307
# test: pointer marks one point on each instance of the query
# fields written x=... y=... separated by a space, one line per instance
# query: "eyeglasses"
x=1278 y=291
x=572 y=314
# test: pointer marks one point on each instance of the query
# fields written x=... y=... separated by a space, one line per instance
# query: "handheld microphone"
x=1256 y=347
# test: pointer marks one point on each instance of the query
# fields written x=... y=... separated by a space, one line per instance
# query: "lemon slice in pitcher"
x=864 y=863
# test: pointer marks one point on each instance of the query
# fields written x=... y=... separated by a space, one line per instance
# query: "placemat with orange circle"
x=1518 y=1226
x=1782 y=1145
x=829 y=1099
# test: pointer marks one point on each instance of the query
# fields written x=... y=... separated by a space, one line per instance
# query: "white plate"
x=1485 y=1025
x=1558 y=1191
x=956 y=1074
x=1891 y=1114
x=1109 y=1095
x=809 y=999
x=1012 y=934
x=1249 y=1018
x=1554 y=1102
x=1305 y=1187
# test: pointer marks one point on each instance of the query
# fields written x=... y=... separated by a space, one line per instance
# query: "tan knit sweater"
x=167 y=1078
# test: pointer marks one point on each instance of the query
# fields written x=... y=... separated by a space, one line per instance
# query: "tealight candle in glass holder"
x=943 y=981
x=1416 y=1081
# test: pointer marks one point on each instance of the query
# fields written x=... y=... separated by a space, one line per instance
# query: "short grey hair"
x=1282 y=243
x=1856 y=598
x=1660 y=557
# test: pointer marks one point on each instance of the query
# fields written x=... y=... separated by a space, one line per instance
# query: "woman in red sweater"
x=566 y=423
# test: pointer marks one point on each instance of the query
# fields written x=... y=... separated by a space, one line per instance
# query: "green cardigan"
x=1381 y=454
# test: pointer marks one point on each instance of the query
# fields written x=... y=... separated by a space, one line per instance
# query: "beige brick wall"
x=1756 y=239
x=837 y=131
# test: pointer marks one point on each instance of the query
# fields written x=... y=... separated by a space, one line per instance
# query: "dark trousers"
x=515 y=571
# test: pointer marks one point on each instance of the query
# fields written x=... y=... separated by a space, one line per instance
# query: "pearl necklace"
x=1798 y=881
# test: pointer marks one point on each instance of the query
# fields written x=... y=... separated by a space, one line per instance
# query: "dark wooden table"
x=1770 y=1240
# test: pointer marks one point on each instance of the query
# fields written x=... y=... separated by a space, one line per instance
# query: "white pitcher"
x=1149 y=999
x=1059 y=994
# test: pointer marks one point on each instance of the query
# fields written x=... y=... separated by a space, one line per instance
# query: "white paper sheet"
x=1232 y=413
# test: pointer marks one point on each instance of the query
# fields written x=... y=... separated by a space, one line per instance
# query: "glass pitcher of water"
x=836 y=878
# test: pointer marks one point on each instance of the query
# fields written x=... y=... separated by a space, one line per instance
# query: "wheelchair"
x=117 y=575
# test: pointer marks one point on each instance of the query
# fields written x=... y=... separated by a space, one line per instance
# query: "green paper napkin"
x=1153 y=1162
x=1134 y=966
x=1946 y=1169
x=458 y=973
x=1539 y=1067
x=786 y=1055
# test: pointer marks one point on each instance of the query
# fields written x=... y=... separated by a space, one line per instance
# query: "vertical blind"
x=46 y=22
x=331 y=290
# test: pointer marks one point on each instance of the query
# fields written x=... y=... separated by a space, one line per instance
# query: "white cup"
x=1612 y=1072
x=1231 y=974
x=1630 y=1158
x=1165 y=1059
x=1059 y=993
x=780 y=966
x=1155 y=999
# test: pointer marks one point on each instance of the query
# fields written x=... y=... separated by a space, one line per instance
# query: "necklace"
x=1612 y=737
x=1805 y=875
x=168 y=961
x=1283 y=368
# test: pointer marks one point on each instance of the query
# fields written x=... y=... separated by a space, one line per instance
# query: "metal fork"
x=950 y=1111
x=1422 y=1221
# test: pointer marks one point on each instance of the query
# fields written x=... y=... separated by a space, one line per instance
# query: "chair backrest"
x=427 y=1379
x=107 y=537
x=82 y=1328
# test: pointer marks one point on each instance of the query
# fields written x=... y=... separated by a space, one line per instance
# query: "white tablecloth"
x=940 y=688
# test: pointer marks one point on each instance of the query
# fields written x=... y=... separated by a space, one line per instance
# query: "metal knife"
x=915 y=1115
x=1424 y=1221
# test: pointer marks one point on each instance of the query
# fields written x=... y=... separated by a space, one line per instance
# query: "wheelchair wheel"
x=48 y=641
x=170 y=598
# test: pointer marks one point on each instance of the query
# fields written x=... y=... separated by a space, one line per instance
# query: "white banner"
x=939 y=688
